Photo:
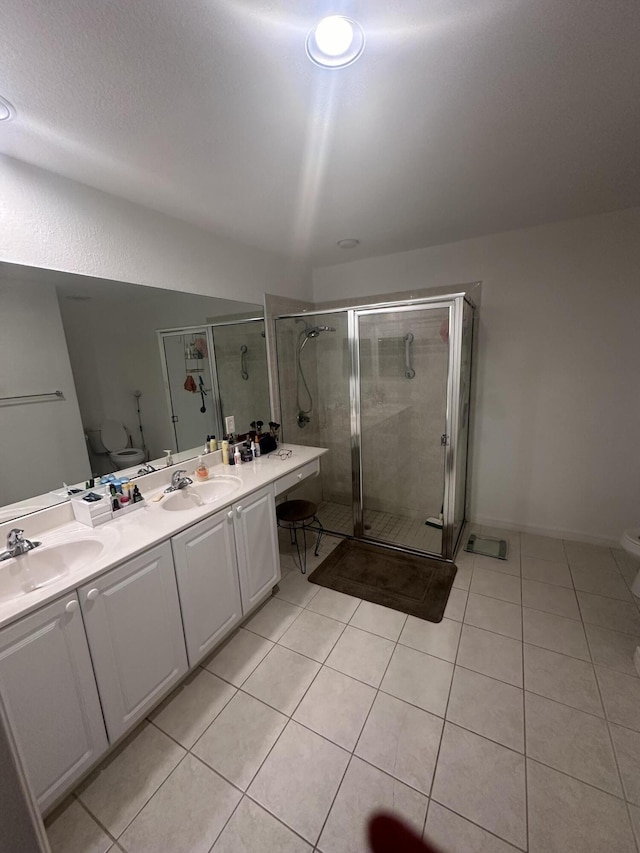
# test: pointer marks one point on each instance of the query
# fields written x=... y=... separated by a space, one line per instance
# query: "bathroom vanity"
x=122 y=612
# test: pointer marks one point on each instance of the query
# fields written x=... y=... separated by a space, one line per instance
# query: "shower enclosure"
x=386 y=389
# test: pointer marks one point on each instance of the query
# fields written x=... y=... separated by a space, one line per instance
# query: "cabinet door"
x=257 y=546
x=48 y=687
x=207 y=575
x=132 y=618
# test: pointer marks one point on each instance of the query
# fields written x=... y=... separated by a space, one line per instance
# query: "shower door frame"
x=454 y=302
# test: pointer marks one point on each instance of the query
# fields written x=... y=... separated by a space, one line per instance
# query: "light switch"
x=230 y=424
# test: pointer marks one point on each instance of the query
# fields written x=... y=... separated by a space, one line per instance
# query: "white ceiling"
x=462 y=117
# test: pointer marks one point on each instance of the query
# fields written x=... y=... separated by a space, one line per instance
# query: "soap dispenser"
x=202 y=472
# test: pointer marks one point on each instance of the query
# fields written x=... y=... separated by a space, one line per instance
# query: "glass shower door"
x=402 y=381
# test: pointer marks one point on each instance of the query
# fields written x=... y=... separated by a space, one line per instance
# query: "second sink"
x=200 y=494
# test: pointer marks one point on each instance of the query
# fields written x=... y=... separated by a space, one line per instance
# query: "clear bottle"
x=202 y=472
x=213 y=444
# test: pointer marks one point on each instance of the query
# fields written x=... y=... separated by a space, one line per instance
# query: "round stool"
x=300 y=515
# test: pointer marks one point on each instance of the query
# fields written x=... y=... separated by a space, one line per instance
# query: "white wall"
x=557 y=431
x=41 y=443
x=49 y=221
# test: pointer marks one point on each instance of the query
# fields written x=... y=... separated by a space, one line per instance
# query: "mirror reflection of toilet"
x=113 y=439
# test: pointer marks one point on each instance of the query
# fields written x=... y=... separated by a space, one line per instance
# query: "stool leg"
x=304 y=543
x=317 y=521
x=302 y=560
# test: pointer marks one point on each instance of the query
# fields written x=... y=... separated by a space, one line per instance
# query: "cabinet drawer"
x=311 y=469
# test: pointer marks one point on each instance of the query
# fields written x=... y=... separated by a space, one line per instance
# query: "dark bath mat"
x=418 y=586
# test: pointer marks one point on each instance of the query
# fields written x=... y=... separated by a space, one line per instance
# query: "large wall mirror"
x=88 y=364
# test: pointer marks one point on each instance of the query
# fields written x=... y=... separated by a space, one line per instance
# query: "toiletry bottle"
x=206 y=444
x=213 y=444
x=253 y=448
x=237 y=456
x=225 y=452
x=256 y=451
x=168 y=462
x=202 y=472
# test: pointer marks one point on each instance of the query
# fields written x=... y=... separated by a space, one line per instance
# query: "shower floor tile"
x=395 y=529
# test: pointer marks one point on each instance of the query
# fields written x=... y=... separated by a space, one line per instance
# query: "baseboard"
x=553 y=532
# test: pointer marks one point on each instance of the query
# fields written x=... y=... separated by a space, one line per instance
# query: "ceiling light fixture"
x=335 y=42
x=6 y=110
x=349 y=243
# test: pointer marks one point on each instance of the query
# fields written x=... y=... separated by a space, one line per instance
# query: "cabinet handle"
x=72 y=605
x=239 y=510
x=230 y=515
x=93 y=594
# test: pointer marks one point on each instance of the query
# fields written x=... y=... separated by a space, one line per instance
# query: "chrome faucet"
x=147 y=468
x=179 y=481
x=17 y=544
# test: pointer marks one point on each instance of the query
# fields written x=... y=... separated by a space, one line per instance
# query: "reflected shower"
x=304 y=415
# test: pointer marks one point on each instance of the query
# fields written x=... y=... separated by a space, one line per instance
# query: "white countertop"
x=142 y=529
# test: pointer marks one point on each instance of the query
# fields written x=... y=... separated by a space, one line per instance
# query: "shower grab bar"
x=243 y=362
x=19 y=398
x=409 y=372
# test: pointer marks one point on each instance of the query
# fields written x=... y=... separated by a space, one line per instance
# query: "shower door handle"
x=244 y=373
x=409 y=372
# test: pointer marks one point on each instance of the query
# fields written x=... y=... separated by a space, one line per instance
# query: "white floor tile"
x=487 y=707
x=542 y=547
x=555 y=633
x=187 y=712
x=568 y=816
x=496 y=585
x=501 y=617
x=584 y=554
x=365 y=790
x=401 y=740
x=72 y=830
x=482 y=781
x=561 y=678
x=336 y=707
x=607 y=582
x=456 y=605
x=238 y=741
x=510 y=566
x=187 y=813
x=253 y=830
x=609 y=613
x=551 y=599
x=462 y=579
x=439 y=639
x=236 y=660
x=299 y=779
x=450 y=832
x=627 y=747
x=273 y=619
x=334 y=604
x=546 y=571
x=419 y=679
x=361 y=655
x=621 y=697
x=491 y=654
x=120 y=787
x=296 y=589
x=571 y=741
x=282 y=679
x=378 y=620
x=312 y=635
x=613 y=649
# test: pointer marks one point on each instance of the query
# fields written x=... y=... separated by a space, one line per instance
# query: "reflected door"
x=190 y=388
x=403 y=367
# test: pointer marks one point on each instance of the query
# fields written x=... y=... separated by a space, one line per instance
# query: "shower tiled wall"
x=246 y=399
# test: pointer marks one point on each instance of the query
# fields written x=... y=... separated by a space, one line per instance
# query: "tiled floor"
x=398 y=529
x=514 y=724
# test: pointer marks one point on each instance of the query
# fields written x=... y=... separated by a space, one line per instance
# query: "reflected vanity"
x=95 y=343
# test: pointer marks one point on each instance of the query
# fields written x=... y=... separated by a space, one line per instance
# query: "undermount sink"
x=200 y=494
x=47 y=563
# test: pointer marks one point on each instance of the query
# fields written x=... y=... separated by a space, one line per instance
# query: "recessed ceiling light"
x=6 y=110
x=350 y=243
x=335 y=42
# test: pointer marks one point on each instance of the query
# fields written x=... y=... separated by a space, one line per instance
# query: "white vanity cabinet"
x=133 y=624
x=47 y=682
x=208 y=585
x=254 y=520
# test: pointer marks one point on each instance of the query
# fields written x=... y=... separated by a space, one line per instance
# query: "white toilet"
x=115 y=439
x=630 y=541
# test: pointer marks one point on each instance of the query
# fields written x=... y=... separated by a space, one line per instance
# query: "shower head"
x=314 y=331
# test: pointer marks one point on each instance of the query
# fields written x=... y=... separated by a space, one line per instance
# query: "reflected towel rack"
x=31 y=398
